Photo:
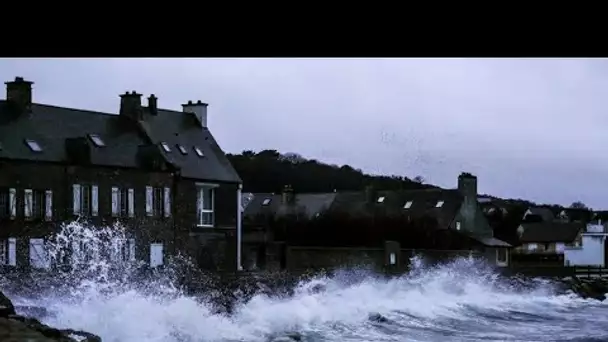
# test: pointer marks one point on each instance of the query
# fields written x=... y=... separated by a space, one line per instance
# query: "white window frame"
x=44 y=261
x=458 y=225
x=165 y=147
x=408 y=204
x=33 y=145
x=201 y=187
x=266 y=201
x=439 y=204
x=381 y=199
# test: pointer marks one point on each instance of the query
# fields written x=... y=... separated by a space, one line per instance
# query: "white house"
x=593 y=249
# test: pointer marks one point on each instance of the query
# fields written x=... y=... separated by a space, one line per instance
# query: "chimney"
x=467 y=186
x=370 y=194
x=199 y=110
x=130 y=106
x=153 y=104
x=288 y=197
x=19 y=93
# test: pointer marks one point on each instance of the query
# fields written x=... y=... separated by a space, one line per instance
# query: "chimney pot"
x=153 y=104
x=189 y=102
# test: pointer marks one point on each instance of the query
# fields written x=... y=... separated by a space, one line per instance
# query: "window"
x=266 y=201
x=85 y=200
x=123 y=250
x=198 y=151
x=439 y=204
x=206 y=206
x=392 y=259
x=408 y=204
x=457 y=225
x=37 y=204
x=39 y=257
x=165 y=146
x=182 y=149
x=122 y=202
x=4 y=204
x=381 y=199
x=502 y=257
x=157 y=202
x=33 y=145
x=156 y=254
x=96 y=139
x=8 y=252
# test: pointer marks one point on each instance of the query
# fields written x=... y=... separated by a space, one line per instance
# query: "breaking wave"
x=463 y=300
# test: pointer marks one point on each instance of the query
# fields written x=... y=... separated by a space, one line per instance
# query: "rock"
x=14 y=328
x=29 y=310
x=6 y=306
x=378 y=318
x=594 y=288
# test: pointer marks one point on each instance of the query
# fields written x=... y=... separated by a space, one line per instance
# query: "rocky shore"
x=17 y=328
x=593 y=288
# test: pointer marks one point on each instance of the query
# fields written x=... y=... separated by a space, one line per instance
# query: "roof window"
x=408 y=204
x=198 y=151
x=33 y=145
x=182 y=149
x=439 y=204
x=96 y=139
x=381 y=199
x=165 y=146
x=266 y=201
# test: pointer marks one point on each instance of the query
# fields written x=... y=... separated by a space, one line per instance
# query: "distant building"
x=453 y=213
x=158 y=171
x=592 y=251
x=548 y=237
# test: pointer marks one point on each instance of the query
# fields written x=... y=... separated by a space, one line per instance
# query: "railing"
x=591 y=272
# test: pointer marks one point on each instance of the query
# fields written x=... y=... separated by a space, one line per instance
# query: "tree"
x=578 y=205
x=419 y=179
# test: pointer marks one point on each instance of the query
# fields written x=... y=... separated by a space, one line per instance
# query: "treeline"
x=270 y=171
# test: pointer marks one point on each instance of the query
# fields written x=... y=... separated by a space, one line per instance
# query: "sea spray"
x=460 y=300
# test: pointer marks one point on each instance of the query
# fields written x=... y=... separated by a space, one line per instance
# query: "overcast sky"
x=528 y=128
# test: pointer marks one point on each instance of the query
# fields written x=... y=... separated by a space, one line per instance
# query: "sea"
x=460 y=300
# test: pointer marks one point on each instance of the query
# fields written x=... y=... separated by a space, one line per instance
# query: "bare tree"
x=419 y=179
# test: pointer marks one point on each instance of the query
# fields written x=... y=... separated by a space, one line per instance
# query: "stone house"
x=159 y=172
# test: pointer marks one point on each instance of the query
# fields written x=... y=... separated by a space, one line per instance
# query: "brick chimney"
x=19 y=93
x=153 y=104
x=288 y=197
x=199 y=110
x=130 y=106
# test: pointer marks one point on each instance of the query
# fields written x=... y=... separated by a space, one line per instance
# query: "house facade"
x=593 y=249
x=158 y=172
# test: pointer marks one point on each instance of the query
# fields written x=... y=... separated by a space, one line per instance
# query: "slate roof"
x=424 y=202
x=543 y=212
x=51 y=125
x=179 y=128
x=575 y=214
x=308 y=204
x=550 y=231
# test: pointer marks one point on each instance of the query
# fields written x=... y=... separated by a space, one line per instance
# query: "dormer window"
x=408 y=204
x=96 y=139
x=33 y=145
x=381 y=199
x=182 y=149
x=198 y=151
x=165 y=147
x=266 y=201
x=439 y=204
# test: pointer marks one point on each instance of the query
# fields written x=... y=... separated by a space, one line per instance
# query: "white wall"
x=591 y=253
